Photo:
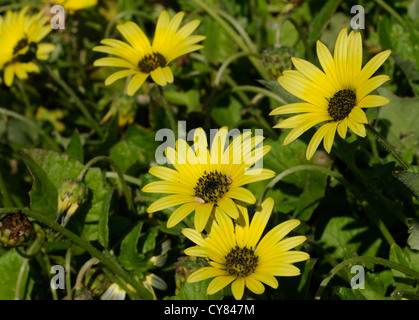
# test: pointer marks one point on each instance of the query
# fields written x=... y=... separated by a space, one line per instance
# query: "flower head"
x=20 y=35
x=239 y=256
x=335 y=95
x=140 y=59
x=203 y=179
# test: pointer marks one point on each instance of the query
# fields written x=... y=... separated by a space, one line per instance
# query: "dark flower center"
x=341 y=104
x=211 y=186
x=151 y=62
x=20 y=45
x=241 y=262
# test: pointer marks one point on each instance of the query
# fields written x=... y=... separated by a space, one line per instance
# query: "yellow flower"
x=140 y=59
x=74 y=5
x=20 y=35
x=202 y=178
x=239 y=256
x=335 y=95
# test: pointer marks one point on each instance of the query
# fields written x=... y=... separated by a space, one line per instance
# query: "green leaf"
x=126 y=154
x=409 y=179
x=309 y=186
x=144 y=140
x=75 y=147
x=198 y=291
x=189 y=99
x=10 y=264
x=341 y=232
x=150 y=241
x=398 y=121
x=403 y=282
x=48 y=169
x=413 y=239
x=228 y=115
x=318 y=24
x=129 y=256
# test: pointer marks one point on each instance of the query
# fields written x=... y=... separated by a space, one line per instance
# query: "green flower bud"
x=15 y=230
x=277 y=60
x=71 y=194
x=184 y=267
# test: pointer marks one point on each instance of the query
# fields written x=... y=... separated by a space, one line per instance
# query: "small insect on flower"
x=140 y=59
x=71 y=194
x=238 y=255
x=20 y=36
x=335 y=95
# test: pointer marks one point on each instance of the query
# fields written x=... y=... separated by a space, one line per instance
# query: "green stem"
x=387 y=146
x=357 y=260
x=19 y=117
x=130 y=179
x=86 y=267
x=113 y=164
x=169 y=111
x=67 y=267
x=33 y=250
x=48 y=266
x=76 y=99
x=239 y=40
x=24 y=95
x=108 y=262
x=393 y=12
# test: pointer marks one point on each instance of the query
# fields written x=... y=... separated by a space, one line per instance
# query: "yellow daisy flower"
x=140 y=59
x=74 y=5
x=202 y=178
x=20 y=35
x=239 y=256
x=335 y=95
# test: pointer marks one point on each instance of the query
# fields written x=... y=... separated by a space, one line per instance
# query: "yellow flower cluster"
x=210 y=181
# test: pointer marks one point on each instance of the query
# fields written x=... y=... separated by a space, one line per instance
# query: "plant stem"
x=239 y=40
x=388 y=147
x=365 y=259
x=393 y=12
x=76 y=99
x=169 y=111
x=33 y=250
x=108 y=262
x=68 y=274
x=124 y=185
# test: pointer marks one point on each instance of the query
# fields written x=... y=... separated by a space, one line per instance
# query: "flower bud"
x=15 y=230
x=71 y=194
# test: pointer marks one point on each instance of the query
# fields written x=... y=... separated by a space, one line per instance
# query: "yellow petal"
x=181 y=213
x=136 y=82
x=371 y=101
x=237 y=287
